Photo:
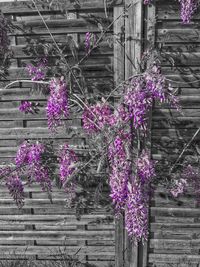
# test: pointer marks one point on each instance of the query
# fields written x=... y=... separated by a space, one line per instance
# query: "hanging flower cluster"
x=189 y=177
x=30 y=156
x=145 y=167
x=120 y=172
x=57 y=104
x=179 y=187
x=143 y=91
x=16 y=189
x=96 y=117
x=188 y=8
x=128 y=193
x=37 y=72
x=136 y=216
x=67 y=160
x=90 y=41
x=147 y=2
x=28 y=107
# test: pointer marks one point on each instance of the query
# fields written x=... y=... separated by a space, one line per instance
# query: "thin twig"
x=104 y=32
x=58 y=48
x=184 y=149
x=24 y=81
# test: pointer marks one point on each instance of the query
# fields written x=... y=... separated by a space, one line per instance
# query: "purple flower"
x=90 y=41
x=22 y=154
x=145 y=167
x=57 y=105
x=35 y=153
x=119 y=173
x=27 y=107
x=188 y=7
x=138 y=102
x=16 y=189
x=136 y=216
x=147 y=2
x=29 y=156
x=179 y=187
x=192 y=176
x=40 y=174
x=67 y=160
x=36 y=73
x=96 y=117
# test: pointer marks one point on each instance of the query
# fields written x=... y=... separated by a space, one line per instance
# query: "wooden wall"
x=39 y=229
x=174 y=224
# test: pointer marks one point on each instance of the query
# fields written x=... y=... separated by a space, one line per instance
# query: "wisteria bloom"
x=145 y=167
x=120 y=173
x=16 y=189
x=147 y=2
x=179 y=187
x=22 y=154
x=188 y=7
x=138 y=102
x=192 y=175
x=37 y=72
x=27 y=107
x=40 y=174
x=90 y=41
x=57 y=105
x=96 y=117
x=67 y=161
x=29 y=156
x=136 y=215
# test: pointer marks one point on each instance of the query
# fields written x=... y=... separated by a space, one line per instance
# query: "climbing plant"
x=117 y=133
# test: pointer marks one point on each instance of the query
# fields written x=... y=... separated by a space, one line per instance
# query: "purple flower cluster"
x=147 y=2
x=192 y=176
x=67 y=160
x=57 y=105
x=120 y=172
x=138 y=102
x=145 y=167
x=27 y=107
x=143 y=91
x=128 y=193
x=136 y=216
x=16 y=188
x=37 y=72
x=96 y=117
x=188 y=7
x=29 y=153
x=90 y=41
x=30 y=157
x=179 y=187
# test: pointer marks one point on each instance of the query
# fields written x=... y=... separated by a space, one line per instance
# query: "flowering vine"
x=131 y=170
x=57 y=104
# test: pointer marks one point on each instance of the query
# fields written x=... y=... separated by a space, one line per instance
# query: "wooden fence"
x=41 y=227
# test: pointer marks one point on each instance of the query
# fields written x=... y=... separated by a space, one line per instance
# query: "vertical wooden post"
x=150 y=40
x=133 y=50
x=119 y=75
